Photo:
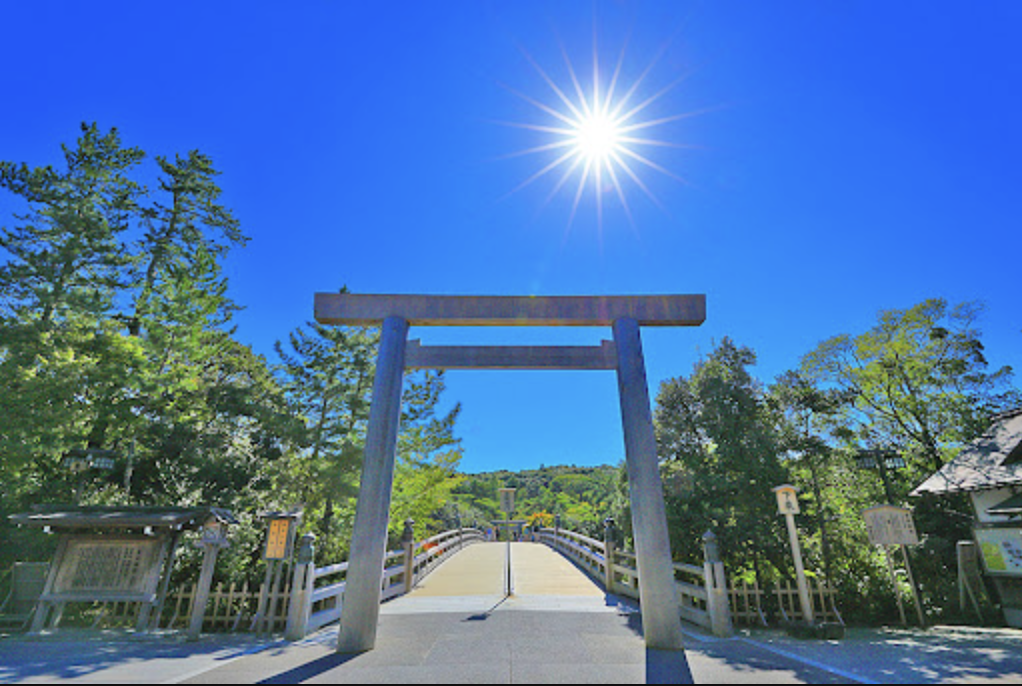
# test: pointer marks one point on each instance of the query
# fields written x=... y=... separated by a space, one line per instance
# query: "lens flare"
x=595 y=135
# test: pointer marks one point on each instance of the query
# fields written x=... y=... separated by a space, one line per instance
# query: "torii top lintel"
x=502 y=310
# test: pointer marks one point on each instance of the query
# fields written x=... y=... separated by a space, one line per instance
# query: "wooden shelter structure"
x=113 y=554
x=989 y=470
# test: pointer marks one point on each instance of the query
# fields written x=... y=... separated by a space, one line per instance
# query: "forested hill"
x=582 y=496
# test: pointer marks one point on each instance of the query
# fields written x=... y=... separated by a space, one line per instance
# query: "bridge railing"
x=702 y=590
x=436 y=549
x=317 y=592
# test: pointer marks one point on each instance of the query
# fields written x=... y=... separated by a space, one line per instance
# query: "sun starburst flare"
x=597 y=135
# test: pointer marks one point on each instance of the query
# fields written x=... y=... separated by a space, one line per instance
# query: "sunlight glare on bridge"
x=473 y=580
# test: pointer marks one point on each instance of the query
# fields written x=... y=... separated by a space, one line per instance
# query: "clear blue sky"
x=852 y=157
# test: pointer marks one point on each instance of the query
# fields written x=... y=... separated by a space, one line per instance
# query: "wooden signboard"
x=787 y=500
x=108 y=568
x=890 y=525
x=278 y=539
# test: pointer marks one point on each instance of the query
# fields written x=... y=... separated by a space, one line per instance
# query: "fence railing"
x=232 y=608
x=752 y=605
x=317 y=591
x=703 y=603
x=705 y=597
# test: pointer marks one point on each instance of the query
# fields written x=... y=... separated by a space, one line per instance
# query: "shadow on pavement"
x=72 y=654
x=936 y=655
x=667 y=667
x=311 y=669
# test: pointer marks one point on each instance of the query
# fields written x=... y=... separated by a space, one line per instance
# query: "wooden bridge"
x=459 y=571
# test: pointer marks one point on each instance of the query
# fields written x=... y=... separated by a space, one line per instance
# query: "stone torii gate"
x=625 y=314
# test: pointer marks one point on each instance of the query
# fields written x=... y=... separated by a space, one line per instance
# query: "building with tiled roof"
x=989 y=470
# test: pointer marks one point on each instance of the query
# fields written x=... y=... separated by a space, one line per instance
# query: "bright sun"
x=596 y=134
x=596 y=137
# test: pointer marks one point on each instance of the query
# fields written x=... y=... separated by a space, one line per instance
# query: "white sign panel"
x=787 y=499
x=890 y=525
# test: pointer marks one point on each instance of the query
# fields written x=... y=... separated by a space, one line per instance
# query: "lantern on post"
x=212 y=539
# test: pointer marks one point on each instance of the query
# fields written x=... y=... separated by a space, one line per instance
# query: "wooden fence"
x=235 y=608
x=231 y=609
x=753 y=606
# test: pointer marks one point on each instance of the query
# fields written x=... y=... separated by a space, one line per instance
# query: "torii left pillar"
x=361 y=610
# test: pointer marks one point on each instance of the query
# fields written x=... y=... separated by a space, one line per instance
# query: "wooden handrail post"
x=202 y=592
x=301 y=589
x=608 y=554
x=408 y=543
x=717 y=600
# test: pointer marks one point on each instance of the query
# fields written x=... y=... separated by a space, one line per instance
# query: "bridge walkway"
x=474 y=581
x=457 y=626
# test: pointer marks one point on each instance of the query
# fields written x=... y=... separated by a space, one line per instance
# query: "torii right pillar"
x=661 y=617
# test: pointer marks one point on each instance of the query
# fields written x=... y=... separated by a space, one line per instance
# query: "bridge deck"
x=472 y=582
x=457 y=627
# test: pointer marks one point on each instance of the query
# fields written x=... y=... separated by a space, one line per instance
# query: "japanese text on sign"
x=276 y=541
x=890 y=525
x=787 y=500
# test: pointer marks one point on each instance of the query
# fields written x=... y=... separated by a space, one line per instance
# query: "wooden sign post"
x=888 y=525
x=787 y=505
x=280 y=537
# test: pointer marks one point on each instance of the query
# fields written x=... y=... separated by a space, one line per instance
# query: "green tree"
x=919 y=386
x=806 y=419
x=427 y=457
x=919 y=379
x=327 y=373
x=115 y=333
x=716 y=434
x=65 y=268
x=191 y=228
x=67 y=258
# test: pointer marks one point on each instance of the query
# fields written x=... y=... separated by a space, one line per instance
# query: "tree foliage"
x=581 y=497
x=919 y=379
x=116 y=333
x=716 y=434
